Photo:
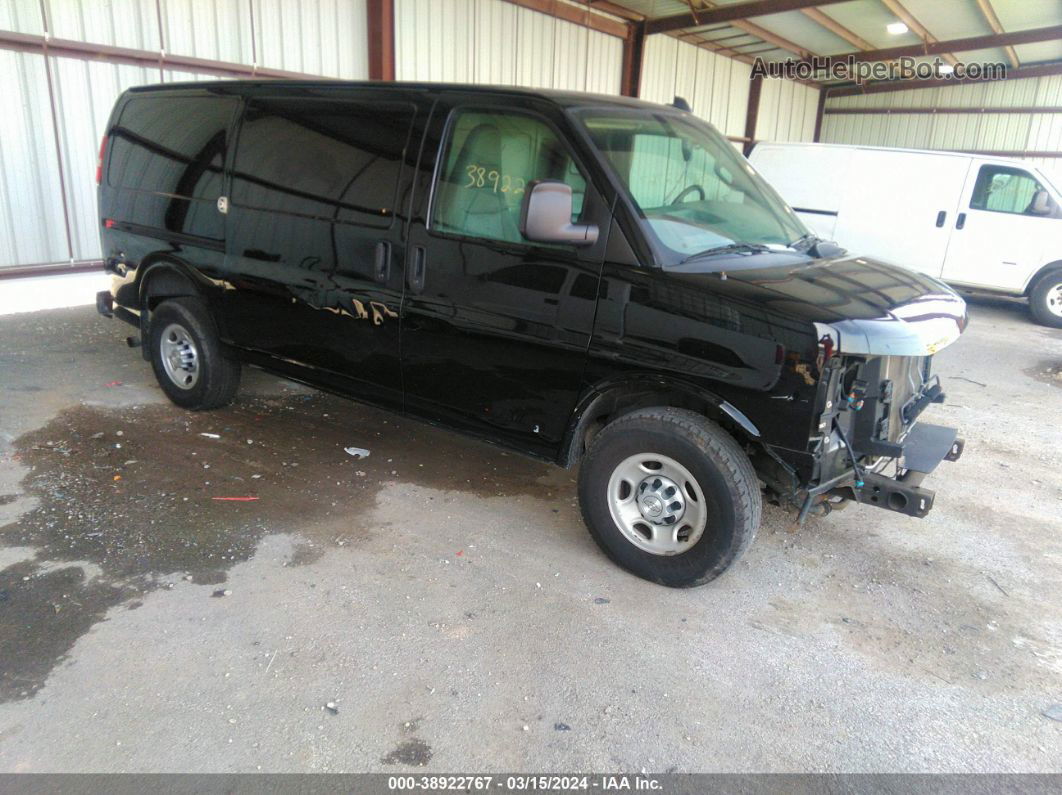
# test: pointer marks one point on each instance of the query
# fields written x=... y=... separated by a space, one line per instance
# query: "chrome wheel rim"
x=657 y=504
x=1054 y=300
x=180 y=358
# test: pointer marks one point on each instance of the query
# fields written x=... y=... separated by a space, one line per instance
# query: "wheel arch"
x=610 y=399
x=1046 y=269
x=163 y=276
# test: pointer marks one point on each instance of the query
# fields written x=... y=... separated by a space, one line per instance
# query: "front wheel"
x=187 y=357
x=670 y=496
x=1045 y=300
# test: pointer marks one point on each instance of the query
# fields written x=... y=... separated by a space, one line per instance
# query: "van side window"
x=172 y=145
x=1003 y=189
x=336 y=160
x=488 y=161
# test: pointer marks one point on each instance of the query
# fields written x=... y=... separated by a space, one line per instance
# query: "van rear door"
x=164 y=176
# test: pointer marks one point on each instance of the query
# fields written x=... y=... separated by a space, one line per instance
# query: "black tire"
x=215 y=378
x=721 y=469
x=1045 y=294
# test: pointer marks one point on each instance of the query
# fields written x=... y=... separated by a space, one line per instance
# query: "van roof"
x=562 y=98
x=937 y=152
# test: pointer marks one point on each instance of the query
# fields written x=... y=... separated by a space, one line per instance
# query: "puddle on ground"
x=129 y=494
x=1049 y=372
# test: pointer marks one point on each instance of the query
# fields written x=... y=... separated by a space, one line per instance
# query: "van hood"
x=863 y=305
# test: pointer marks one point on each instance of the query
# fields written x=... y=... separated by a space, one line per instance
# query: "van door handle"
x=960 y=222
x=417 y=269
x=942 y=216
x=381 y=269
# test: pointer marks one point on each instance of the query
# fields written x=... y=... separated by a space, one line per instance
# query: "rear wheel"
x=670 y=496
x=187 y=356
x=1045 y=300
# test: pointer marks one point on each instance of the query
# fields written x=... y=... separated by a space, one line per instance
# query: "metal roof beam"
x=837 y=29
x=577 y=16
x=106 y=53
x=919 y=29
x=989 y=14
x=959 y=45
x=772 y=38
x=730 y=13
x=885 y=86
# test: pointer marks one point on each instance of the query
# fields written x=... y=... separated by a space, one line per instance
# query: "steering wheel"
x=685 y=192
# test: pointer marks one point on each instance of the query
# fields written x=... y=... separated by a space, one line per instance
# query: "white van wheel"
x=1045 y=300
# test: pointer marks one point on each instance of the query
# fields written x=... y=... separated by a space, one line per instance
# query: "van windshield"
x=696 y=194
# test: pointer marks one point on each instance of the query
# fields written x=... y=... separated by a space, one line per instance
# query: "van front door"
x=495 y=329
x=997 y=240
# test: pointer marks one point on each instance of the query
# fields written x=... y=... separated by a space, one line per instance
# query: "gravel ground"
x=445 y=599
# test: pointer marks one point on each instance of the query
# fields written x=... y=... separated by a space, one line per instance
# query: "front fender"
x=638 y=390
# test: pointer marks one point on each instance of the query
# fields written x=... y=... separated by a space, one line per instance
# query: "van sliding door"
x=314 y=238
x=904 y=207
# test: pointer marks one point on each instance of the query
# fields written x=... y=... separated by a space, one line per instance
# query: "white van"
x=979 y=223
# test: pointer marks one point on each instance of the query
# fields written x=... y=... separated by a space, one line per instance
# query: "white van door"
x=901 y=207
x=996 y=241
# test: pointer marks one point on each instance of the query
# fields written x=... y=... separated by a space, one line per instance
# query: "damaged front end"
x=876 y=381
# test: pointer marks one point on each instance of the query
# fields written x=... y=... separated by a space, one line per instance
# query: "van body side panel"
x=816 y=191
x=719 y=336
x=896 y=204
x=313 y=276
x=495 y=329
x=917 y=209
x=163 y=175
x=1000 y=247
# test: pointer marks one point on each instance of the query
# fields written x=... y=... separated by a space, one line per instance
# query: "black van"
x=581 y=278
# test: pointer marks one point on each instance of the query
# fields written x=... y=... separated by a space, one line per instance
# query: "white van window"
x=1004 y=189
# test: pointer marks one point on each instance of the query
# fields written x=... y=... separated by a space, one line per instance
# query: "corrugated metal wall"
x=716 y=87
x=982 y=131
x=787 y=111
x=490 y=41
x=326 y=37
x=32 y=229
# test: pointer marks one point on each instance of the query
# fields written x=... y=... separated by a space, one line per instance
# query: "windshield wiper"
x=804 y=242
x=729 y=248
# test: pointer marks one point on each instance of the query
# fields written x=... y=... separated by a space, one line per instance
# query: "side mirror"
x=546 y=215
x=1041 y=203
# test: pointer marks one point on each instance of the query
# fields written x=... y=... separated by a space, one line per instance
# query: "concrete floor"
x=446 y=597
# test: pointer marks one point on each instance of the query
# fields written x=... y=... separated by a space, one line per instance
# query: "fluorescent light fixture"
x=946 y=69
x=896 y=28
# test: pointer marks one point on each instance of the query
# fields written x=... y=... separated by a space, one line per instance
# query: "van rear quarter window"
x=337 y=160
x=172 y=144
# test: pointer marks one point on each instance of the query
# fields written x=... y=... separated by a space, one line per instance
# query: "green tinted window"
x=1004 y=190
x=489 y=160
x=694 y=190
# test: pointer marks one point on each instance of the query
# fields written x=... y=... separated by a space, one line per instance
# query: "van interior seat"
x=477 y=211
